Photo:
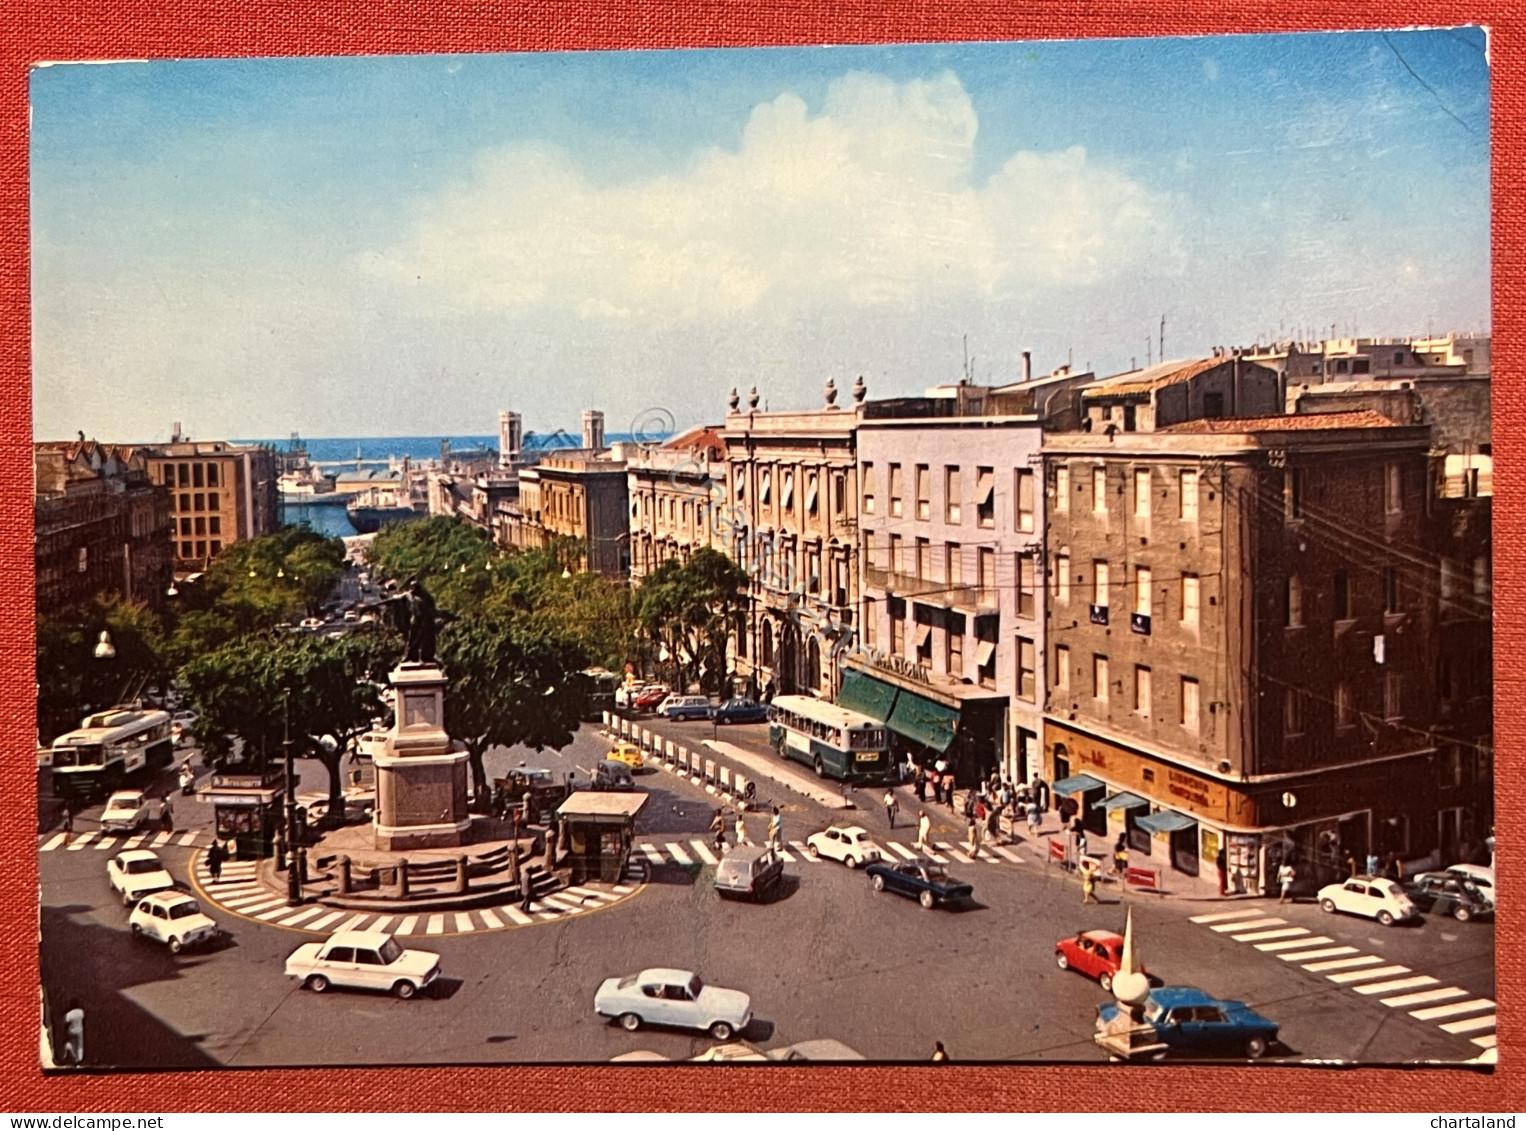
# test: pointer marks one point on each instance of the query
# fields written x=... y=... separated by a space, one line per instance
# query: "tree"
x=687 y=610
x=71 y=680
x=450 y=556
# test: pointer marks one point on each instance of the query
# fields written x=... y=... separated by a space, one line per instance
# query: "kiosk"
x=247 y=809
x=599 y=828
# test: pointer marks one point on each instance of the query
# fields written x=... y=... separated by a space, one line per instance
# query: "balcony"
x=957 y=596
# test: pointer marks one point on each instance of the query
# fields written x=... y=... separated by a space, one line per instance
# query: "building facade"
x=580 y=497
x=677 y=494
x=219 y=493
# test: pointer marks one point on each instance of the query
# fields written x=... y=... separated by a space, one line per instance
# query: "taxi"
x=627 y=752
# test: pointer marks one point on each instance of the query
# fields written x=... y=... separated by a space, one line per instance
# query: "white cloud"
x=869 y=203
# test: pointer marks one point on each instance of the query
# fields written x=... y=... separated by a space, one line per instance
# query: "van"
x=610 y=774
x=749 y=871
x=679 y=707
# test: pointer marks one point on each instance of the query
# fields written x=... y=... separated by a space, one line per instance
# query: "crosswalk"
x=688 y=853
x=1394 y=985
x=238 y=889
x=76 y=842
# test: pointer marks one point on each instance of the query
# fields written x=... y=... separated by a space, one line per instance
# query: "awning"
x=924 y=721
x=1076 y=783
x=984 y=653
x=923 y=632
x=983 y=491
x=866 y=695
x=810 y=498
x=1121 y=801
x=1165 y=822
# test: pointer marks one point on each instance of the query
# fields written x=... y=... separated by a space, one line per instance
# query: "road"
x=830 y=958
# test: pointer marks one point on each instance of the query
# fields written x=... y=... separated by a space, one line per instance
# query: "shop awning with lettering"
x=922 y=720
x=866 y=695
x=1076 y=783
x=1165 y=822
x=1122 y=801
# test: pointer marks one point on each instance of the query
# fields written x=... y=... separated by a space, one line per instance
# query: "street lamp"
x=293 y=869
x=104 y=649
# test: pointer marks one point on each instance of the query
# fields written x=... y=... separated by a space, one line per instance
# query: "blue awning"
x=1076 y=783
x=1165 y=822
x=1121 y=801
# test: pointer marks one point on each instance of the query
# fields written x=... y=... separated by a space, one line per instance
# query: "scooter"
x=187 y=780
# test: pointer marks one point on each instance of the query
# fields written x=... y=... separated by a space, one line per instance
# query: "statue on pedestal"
x=414 y=614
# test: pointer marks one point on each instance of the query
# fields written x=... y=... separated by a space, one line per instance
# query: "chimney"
x=593 y=429
x=175 y=433
x=1027 y=366
x=510 y=438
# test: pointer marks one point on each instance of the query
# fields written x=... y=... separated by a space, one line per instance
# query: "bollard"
x=606 y=719
x=667 y=751
x=725 y=779
x=461 y=884
x=709 y=769
x=739 y=785
x=402 y=879
x=344 y=875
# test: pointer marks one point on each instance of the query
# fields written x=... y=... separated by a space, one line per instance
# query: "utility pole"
x=293 y=869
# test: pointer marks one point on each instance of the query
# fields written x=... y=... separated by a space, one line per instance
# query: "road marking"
x=1367 y=975
x=1470 y=1025
x=562 y=904
x=1294 y=944
x=1279 y=933
x=983 y=854
x=1487 y=1042
x=677 y=852
x=267 y=916
x=107 y=842
x=1401 y=984
x=160 y=839
x=83 y=840
x=489 y=920
x=933 y=856
x=239 y=902
x=135 y=840
x=805 y=851
x=652 y=854
x=407 y=925
x=382 y=922
x=262 y=905
x=230 y=893
x=305 y=913
x=546 y=916
x=1435 y=1011
x=188 y=836
x=518 y=916
x=352 y=924
x=1250 y=924
x=1425 y=996
x=436 y=925
x=704 y=853
x=54 y=843
x=1007 y=854
x=901 y=850
x=331 y=917
x=623 y=890
x=464 y=923
x=586 y=893
x=1220 y=916
x=1343 y=963
x=954 y=852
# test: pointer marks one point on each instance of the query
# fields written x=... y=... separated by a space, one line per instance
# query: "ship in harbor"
x=302 y=483
x=379 y=496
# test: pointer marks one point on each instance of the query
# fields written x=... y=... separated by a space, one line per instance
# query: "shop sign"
x=1187 y=787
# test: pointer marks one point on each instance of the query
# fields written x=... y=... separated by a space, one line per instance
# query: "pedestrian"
x=167 y=816
x=741 y=827
x=890 y=807
x=1121 y=856
x=949 y=779
x=971 y=801
x=972 y=834
x=215 y=861
x=1088 y=881
x=940 y=1055
x=1373 y=867
x=68 y=820
x=1351 y=864
x=1285 y=877
x=1035 y=818
x=1223 y=867
x=74 y=1030
x=718 y=827
x=776 y=829
x=993 y=822
x=924 y=825
x=919 y=780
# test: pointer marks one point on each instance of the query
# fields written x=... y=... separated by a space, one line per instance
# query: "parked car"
x=172 y=918
x=627 y=752
x=1481 y=876
x=312 y=624
x=851 y=845
x=1191 y=1021
x=741 y=711
x=610 y=774
x=1097 y=954
x=136 y=873
x=678 y=708
x=751 y=871
x=926 y=882
x=1448 y=893
x=673 y=997
x=128 y=810
x=649 y=697
x=821 y=1048
x=366 y=960
x=1375 y=897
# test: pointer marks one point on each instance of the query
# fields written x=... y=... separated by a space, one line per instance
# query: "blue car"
x=1190 y=1022
x=741 y=711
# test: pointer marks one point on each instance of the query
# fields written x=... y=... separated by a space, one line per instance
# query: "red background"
x=106 y=29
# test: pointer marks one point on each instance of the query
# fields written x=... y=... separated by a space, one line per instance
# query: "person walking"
x=1035 y=818
x=215 y=856
x=718 y=827
x=167 y=816
x=971 y=835
x=1088 y=881
x=74 y=1034
x=1121 y=856
x=950 y=783
x=776 y=829
x=1286 y=875
x=919 y=780
x=890 y=807
x=924 y=826
x=1373 y=865
x=68 y=820
x=741 y=827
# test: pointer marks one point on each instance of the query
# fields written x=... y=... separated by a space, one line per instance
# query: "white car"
x=851 y=845
x=366 y=960
x=312 y=624
x=136 y=873
x=128 y=810
x=1374 y=897
x=1480 y=875
x=662 y=996
x=172 y=918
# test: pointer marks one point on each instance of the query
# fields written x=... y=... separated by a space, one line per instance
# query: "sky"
x=406 y=245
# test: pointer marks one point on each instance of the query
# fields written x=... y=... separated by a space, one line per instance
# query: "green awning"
x=1076 y=783
x=866 y=695
x=1121 y=801
x=1165 y=822
x=923 y=721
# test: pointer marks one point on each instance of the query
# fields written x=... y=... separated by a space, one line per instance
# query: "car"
x=1373 y=896
x=740 y=711
x=181 y=723
x=312 y=624
x=649 y=697
x=821 y=1048
x=1481 y=875
x=662 y=996
x=363 y=960
x=678 y=708
x=851 y=845
x=1096 y=954
x=1188 y=1020
x=610 y=774
x=1448 y=893
x=136 y=873
x=172 y=918
x=128 y=810
x=749 y=870
x=350 y=616
x=627 y=752
x=923 y=880
x=625 y=694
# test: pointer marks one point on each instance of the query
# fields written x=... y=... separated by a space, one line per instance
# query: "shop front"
x=247 y=810
x=929 y=715
x=598 y=828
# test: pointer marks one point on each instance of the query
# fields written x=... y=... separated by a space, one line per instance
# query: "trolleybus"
x=110 y=748
x=832 y=740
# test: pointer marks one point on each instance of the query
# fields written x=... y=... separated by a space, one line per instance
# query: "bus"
x=832 y=740
x=109 y=748
x=601 y=693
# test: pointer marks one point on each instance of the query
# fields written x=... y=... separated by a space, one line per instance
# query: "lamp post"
x=293 y=871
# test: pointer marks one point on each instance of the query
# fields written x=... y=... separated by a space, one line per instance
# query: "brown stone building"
x=1269 y=637
x=677 y=492
x=219 y=494
x=101 y=526
x=581 y=497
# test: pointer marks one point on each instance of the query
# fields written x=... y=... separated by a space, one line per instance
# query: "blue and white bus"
x=110 y=748
x=832 y=740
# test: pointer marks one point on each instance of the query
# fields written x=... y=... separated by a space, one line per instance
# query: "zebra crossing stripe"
x=1425 y=996
x=651 y=853
x=804 y=851
x=1343 y=963
x=1252 y=924
x=901 y=850
x=1367 y=975
x=407 y=925
x=933 y=856
x=1006 y=854
x=331 y=917
x=703 y=852
x=464 y=922
x=188 y=837
x=623 y=890
x=351 y=924
x=1472 y=1024
x=267 y=916
x=382 y=922
x=1279 y=933
x=518 y=916
x=787 y=855
x=54 y=843
x=954 y=852
x=562 y=904
x=586 y=893
x=1438 y=1011
x=305 y=913
x=239 y=902
x=107 y=842
x=135 y=840
x=677 y=852
x=547 y=916
x=1294 y=944
x=436 y=925
x=160 y=839
x=489 y=920
x=233 y=893
x=83 y=840
x=1401 y=984
x=1220 y=916
x=262 y=905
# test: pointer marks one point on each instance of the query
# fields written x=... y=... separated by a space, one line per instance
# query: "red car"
x=648 y=699
x=1097 y=954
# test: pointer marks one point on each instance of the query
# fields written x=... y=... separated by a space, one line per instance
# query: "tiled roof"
x=1301 y=422
x=1155 y=377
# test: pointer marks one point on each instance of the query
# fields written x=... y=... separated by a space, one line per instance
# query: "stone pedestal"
x=421 y=775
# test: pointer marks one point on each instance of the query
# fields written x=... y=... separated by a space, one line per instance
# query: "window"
x=84 y=560
x=1142 y=596
x=1393 y=696
x=810 y=494
x=1390 y=589
x=1061 y=671
x=895 y=489
x=201 y=525
x=868 y=488
x=198 y=502
x=765 y=486
x=1062 y=489
x=1141 y=492
x=1099 y=490
x=1292 y=711
x=871 y=622
x=924 y=639
x=740 y=489
x=895 y=553
x=1482 y=582
x=839 y=492
x=987 y=563
x=1340 y=588
x=1141 y=690
x=924 y=559
x=211 y=475
x=897 y=626
x=951 y=495
x=185 y=474
x=985 y=496
x=1345 y=707
x=185 y=549
x=185 y=526
x=185 y=502
x=1292 y=493
x=1099 y=584
x=201 y=549
x=954 y=645
x=953 y=574
x=1025 y=598
x=1292 y=602
x=167 y=474
x=1189 y=712
x=1099 y=678
x=1191 y=597
x=924 y=489
x=1187 y=504
x=985 y=653
x=1062 y=579
x=198 y=475
x=1024 y=496
x=787 y=490
x=1393 y=482
x=1026 y=670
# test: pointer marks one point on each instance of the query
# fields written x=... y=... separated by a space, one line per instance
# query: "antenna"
x=1149 y=352
x=966 y=340
x=1163 y=337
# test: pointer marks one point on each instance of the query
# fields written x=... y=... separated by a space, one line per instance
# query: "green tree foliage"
x=72 y=681
x=687 y=611
x=451 y=557
x=586 y=608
